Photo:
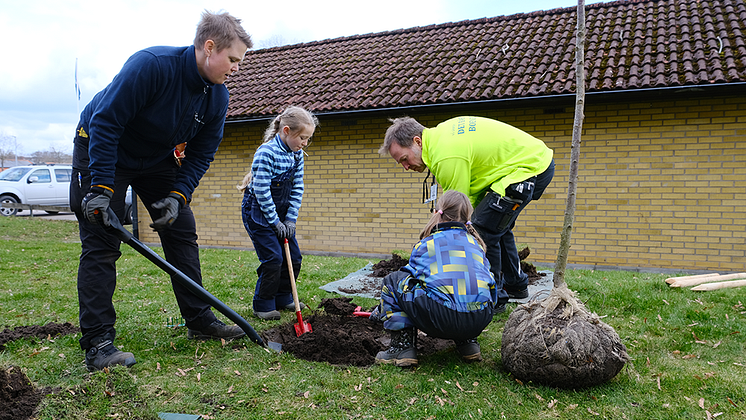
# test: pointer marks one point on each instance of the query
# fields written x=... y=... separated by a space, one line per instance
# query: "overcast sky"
x=44 y=38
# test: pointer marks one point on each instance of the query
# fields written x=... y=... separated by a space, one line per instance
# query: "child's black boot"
x=403 y=350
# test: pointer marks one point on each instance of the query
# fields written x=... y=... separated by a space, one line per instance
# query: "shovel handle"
x=125 y=236
x=291 y=274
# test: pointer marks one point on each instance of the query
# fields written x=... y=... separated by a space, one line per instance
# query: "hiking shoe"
x=104 y=354
x=498 y=309
x=291 y=306
x=216 y=331
x=270 y=316
x=403 y=351
x=522 y=294
x=469 y=350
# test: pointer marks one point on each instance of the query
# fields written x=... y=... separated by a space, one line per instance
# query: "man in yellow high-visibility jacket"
x=499 y=167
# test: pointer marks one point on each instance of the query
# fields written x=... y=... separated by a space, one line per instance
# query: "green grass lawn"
x=687 y=348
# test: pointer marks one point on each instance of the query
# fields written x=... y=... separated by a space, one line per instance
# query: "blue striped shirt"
x=271 y=160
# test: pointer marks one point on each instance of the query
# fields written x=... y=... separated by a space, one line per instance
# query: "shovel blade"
x=302 y=326
x=300 y=329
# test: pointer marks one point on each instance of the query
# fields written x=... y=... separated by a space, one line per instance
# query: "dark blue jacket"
x=157 y=100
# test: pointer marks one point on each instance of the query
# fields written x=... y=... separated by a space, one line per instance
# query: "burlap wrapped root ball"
x=557 y=342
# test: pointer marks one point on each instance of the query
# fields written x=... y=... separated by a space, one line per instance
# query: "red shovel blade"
x=301 y=326
x=359 y=312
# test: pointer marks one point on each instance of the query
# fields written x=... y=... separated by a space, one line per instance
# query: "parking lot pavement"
x=45 y=215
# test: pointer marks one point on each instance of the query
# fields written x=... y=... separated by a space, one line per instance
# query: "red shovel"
x=300 y=326
x=359 y=312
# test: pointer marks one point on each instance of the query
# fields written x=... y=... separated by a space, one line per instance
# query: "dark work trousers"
x=100 y=250
x=494 y=219
x=273 y=290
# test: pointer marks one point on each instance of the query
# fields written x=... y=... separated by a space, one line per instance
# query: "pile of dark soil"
x=384 y=267
x=528 y=268
x=340 y=338
x=41 y=331
x=18 y=397
x=371 y=284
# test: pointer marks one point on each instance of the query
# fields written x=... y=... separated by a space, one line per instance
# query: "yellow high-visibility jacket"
x=474 y=154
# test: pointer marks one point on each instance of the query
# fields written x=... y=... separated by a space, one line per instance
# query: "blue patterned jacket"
x=450 y=267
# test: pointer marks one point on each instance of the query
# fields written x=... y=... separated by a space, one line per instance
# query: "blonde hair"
x=453 y=206
x=295 y=118
x=223 y=29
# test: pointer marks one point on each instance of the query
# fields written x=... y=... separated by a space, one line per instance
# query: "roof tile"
x=630 y=44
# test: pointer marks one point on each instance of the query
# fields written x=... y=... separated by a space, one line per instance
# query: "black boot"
x=469 y=350
x=104 y=354
x=403 y=350
x=216 y=331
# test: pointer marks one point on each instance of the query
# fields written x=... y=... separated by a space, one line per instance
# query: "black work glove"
x=280 y=230
x=290 y=226
x=95 y=205
x=376 y=314
x=170 y=207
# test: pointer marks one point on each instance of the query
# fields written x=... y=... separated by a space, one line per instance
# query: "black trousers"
x=100 y=250
x=496 y=229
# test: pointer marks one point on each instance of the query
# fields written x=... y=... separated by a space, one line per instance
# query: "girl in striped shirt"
x=273 y=191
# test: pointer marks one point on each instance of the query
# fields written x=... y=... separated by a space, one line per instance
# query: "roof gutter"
x=674 y=89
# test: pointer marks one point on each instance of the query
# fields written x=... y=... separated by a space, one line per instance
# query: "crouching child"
x=446 y=290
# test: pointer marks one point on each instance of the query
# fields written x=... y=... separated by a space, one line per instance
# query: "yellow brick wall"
x=662 y=185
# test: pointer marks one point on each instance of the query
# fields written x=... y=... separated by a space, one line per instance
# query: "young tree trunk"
x=564 y=248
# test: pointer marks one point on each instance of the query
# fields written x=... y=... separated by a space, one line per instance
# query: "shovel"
x=359 y=312
x=125 y=236
x=301 y=326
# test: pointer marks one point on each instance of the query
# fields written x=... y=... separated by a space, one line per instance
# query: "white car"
x=46 y=185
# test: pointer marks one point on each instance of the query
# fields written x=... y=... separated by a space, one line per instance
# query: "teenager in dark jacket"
x=161 y=98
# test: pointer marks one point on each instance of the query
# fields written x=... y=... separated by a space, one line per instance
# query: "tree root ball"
x=557 y=342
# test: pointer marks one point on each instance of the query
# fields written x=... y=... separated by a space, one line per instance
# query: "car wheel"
x=7 y=199
x=128 y=215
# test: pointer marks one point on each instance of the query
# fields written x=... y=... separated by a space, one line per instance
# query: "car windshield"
x=13 y=174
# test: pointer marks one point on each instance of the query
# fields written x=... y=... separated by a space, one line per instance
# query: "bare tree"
x=577 y=129
x=557 y=341
x=50 y=155
x=7 y=148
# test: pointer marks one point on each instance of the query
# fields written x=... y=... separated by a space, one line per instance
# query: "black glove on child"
x=290 y=227
x=280 y=230
x=95 y=205
x=170 y=207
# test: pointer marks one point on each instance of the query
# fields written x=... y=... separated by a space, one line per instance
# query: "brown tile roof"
x=630 y=45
